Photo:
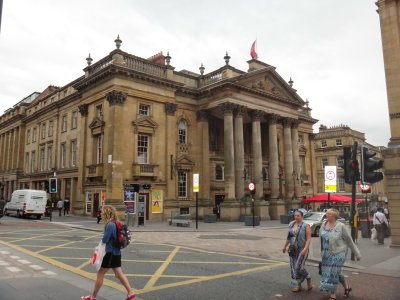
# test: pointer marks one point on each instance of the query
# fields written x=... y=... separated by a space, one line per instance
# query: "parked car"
x=315 y=219
x=25 y=203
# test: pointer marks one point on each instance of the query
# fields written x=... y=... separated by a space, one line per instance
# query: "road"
x=54 y=261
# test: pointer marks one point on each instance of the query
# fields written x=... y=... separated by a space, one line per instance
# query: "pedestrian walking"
x=2 y=204
x=335 y=240
x=60 y=205
x=386 y=212
x=112 y=258
x=67 y=205
x=298 y=240
x=381 y=225
x=99 y=215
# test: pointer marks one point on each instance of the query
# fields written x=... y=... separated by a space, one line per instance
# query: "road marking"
x=86 y=263
x=3 y=263
x=13 y=269
x=49 y=273
x=14 y=257
x=36 y=267
x=4 y=252
x=162 y=276
x=23 y=261
x=161 y=269
x=69 y=243
x=42 y=235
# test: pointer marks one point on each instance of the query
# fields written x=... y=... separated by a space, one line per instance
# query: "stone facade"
x=389 y=15
x=130 y=121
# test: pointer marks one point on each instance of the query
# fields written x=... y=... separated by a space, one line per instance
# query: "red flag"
x=253 y=52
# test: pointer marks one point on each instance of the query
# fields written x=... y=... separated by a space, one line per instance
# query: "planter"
x=285 y=219
x=210 y=218
x=241 y=218
x=248 y=220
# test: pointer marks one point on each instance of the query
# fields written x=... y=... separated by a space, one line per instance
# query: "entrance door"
x=142 y=209
x=96 y=204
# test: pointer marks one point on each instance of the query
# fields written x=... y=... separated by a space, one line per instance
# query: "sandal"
x=310 y=286
x=296 y=289
x=347 y=292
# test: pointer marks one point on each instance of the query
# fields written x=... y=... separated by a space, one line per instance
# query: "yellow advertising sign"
x=157 y=201
x=330 y=188
x=196 y=182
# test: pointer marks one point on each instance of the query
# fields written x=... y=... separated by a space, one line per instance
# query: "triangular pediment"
x=185 y=160
x=97 y=122
x=270 y=82
x=145 y=123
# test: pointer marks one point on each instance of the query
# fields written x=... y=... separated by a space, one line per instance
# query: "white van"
x=27 y=203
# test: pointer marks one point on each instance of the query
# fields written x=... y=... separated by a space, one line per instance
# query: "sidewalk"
x=265 y=241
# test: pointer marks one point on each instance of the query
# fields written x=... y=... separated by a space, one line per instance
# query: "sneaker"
x=130 y=297
x=89 y=297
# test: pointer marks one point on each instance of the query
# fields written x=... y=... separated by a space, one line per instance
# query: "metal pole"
x=367 y=213
x=252 y=200
x=329 y=200
x=197 y=211
x=353 y=198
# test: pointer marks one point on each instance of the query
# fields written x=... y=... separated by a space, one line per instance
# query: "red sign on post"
x=251 y=187
x=365 y=188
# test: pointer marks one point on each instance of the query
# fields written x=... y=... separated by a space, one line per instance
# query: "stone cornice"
x=116 y=98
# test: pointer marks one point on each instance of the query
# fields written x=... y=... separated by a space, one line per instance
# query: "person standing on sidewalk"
x=67 y=205
x=60 y=205
x=335 y=240
x=112 y=258
x=298 y=240
x=381 y=224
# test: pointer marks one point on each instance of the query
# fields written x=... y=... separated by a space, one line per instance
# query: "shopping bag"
x=98 y=254
x=374 y=234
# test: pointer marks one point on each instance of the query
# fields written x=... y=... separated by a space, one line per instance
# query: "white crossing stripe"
x=4 y=252
x=23 y=261
x=14 y=257
x=3 y=263
x=36 y=267
x=13 y=269
x=49 y=273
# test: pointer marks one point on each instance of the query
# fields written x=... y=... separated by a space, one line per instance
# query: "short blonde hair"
x=109 y=212
x=333 y=212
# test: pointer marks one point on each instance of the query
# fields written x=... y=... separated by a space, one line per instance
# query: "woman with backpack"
x=112 y=258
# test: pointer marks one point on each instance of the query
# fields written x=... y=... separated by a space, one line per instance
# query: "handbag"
x=98 y=255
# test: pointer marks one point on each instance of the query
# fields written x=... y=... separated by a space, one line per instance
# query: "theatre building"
x=130 y=121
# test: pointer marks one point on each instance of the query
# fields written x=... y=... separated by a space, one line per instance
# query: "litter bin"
x=365 y=229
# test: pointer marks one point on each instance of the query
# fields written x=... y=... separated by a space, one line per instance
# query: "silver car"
x=315 y=219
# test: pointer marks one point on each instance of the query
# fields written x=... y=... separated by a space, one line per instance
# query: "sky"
x=331 y=49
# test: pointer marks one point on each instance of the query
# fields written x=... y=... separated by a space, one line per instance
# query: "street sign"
x=251 y=187
x=330 y=179
x=365 y=188
x=196 y=182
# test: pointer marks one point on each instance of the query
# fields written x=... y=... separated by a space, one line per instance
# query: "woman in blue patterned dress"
x=299 y=236
x=335 y=240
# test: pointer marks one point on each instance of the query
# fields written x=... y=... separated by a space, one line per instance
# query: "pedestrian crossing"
x=15 y=265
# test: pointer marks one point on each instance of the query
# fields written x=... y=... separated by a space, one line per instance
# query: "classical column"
x=287 y=136
x=273 y=157
x=257 y=152
x=202 y=117
x=1 y=152
x=14 y=153
x=8 y=151
x=239 y=151
x=229 y=156
x=78 y=205
x=296 y=159
x=170 y=152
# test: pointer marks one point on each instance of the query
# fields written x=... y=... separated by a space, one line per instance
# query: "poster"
x=130 y=199
x=156 y=201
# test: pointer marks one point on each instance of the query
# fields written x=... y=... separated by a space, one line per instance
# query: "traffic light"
x=369 y=165
x=53 y=185
x=350 y=166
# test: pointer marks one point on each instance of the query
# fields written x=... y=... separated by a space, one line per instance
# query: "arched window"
x=182 y=132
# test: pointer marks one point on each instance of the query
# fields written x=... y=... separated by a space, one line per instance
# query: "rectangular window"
x=143 y=149
x=64 y=123
x=74 y=120
x=99 y=149
x=323 y=143
x=99 y=111
x=62 y=155
x=27 y=162
x=34 y=135
x=49 y=157
x=219 y=172
x=144 y=110
x=182 y=184
x=42 y=159
x=43 y=130
x=51 y=128
x=73 y=153
x=301 y=139
x=324 y=162
x=340 y=162
x=28 y=136
x=338 y=142
x=342 y=186
x=33 y=161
